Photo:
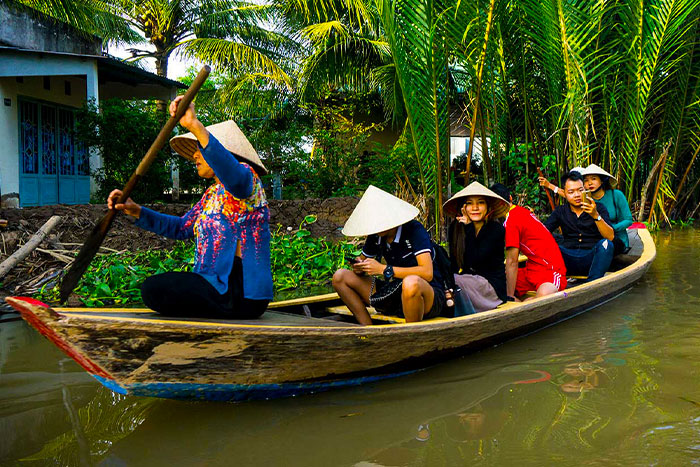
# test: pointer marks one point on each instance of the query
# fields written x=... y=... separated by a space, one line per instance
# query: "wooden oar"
x=549 y=197
x=97 y=236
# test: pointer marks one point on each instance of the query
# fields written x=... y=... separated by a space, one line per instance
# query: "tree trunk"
x=647 y=185
x=30 y=246
x=479 y=75
x=683 y=180
x=485 y=158
x=162 y=70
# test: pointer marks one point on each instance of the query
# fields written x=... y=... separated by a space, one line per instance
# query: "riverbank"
x=77 y=221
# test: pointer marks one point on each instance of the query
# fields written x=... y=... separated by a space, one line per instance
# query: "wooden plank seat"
x=269 y=318
x=578 y=279
x=374 y=314
x=304 y=300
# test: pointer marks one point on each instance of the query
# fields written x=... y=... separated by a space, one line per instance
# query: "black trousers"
x=189 y=294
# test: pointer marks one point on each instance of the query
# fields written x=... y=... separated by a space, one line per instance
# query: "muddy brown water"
x=619 y=385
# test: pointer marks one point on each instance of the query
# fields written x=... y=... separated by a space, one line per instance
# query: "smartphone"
x=588 y=197
x=352 y=259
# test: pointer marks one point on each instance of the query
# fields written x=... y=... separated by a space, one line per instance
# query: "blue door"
x=54 y=165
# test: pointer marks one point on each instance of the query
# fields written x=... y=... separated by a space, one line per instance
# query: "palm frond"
x=238 y=57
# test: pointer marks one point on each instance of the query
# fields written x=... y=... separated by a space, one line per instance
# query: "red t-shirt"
x=526 y=233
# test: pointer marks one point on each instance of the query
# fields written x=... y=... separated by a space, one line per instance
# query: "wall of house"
x=30 y=87
x=9 y=158
x=80 y=73
x=33 y=87
x=28 y=29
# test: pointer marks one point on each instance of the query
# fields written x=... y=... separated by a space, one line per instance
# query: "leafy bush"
x=522 y=177
x=123 y=132
x=298 y=261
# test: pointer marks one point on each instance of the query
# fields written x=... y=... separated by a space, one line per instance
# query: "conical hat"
x=376 y=212
x=453 y=205
x=596 y=170
x=230 y=136
x=578 y=169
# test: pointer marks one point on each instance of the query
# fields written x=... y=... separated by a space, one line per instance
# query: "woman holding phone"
x=599 y=184
x=406 y=284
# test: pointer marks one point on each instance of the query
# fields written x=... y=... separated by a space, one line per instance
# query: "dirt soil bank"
x=77 y=222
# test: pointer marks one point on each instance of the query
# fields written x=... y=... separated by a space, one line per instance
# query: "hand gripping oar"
x=549 y=197
x=97 y=236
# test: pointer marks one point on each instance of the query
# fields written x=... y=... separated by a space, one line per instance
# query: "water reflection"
x=618 y=385
x=38 y=393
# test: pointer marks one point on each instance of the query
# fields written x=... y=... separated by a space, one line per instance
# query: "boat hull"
x=219 y=361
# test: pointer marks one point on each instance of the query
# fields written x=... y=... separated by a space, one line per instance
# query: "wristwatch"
x=388 y=272
x=599 y=218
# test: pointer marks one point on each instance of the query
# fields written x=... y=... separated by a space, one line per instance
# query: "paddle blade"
x=87 y=252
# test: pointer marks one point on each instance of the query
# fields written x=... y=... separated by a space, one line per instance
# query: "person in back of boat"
x=586 y=244
x=477 y=246
x=544 y=271
x=231 y=277
x=407 y=285
x=550 y=186
x=599 y=183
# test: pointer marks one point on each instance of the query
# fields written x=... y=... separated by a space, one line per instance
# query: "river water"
x=619 y=385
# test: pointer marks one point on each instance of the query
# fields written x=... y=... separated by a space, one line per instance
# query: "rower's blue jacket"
x=231 y=211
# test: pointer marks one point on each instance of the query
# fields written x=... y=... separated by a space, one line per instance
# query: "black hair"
x=604 y=182
x=457 y=234
x=574 y=176
x=501 y=190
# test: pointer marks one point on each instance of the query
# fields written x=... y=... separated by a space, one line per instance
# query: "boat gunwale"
x=639 y=266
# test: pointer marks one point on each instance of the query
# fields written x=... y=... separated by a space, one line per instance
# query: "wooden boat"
x=298 y=346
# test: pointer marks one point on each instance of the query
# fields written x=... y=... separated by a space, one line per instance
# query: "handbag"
x=462 y=305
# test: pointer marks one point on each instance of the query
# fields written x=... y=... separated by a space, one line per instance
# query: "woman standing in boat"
x=477 y=246
x=408 y=284
x=231 y=277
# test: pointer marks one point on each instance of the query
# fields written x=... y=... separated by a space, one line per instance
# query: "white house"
x=47 y=71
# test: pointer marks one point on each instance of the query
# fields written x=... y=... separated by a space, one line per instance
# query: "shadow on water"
x=616 y=385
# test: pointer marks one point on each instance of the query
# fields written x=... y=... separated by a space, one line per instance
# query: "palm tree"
x=407 y=50
x=573 y=82
x=191 y=27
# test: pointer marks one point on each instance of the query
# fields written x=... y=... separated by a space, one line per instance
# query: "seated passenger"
x=477 y=246
x=599 y=183
x=587 y=246
x=544 y=270
x=231 y=277
x=406 y=285
x=558 y=191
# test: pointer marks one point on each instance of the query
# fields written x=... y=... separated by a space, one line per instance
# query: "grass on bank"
x=299 y=261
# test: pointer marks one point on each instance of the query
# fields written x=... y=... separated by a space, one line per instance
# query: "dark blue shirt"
x=411 y=240
x=579 y=232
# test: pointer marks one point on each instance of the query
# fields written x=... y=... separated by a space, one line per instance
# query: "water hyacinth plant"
x=299 y=261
